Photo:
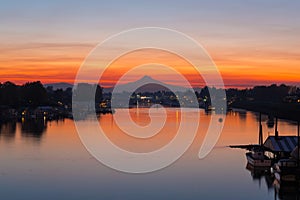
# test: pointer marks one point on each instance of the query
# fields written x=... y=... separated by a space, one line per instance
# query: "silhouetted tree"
x=271 y=93
x=9 y=94
x=34 y=94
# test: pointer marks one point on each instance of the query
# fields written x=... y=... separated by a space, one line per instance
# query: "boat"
x=288 y=169
x=257 y=158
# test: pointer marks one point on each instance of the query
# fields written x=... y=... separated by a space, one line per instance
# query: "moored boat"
x=257 y=158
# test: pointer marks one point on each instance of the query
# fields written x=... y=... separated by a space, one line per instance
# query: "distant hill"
x=147 y=84
x=61 y=85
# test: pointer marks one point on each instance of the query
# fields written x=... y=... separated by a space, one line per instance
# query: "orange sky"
x=59 y=63
x=251 y=42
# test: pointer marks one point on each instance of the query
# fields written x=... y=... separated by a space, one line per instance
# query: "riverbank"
x=287 y=111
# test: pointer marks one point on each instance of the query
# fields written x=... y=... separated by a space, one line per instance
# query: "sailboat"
x=256 y=157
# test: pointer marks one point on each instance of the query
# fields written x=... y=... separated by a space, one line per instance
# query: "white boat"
x=257 y=158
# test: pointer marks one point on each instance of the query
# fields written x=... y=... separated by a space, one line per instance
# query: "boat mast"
x=276 y=128
x=260 y=137
x=298 y=137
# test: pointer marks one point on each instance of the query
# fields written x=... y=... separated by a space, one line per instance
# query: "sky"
x=251 y=42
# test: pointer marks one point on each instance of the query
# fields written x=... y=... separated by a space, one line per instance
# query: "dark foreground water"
x=46 y=160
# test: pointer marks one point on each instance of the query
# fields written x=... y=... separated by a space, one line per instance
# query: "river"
x=47 y=160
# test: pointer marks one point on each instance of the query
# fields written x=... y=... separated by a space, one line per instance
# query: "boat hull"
x=258 y=162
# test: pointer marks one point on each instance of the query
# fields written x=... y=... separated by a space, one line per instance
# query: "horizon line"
x=226 y=86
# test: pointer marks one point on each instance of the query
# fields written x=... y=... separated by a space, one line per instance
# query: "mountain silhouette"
x=60 y=85
x=146 y=84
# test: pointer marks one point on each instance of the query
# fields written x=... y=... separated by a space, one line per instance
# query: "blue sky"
x=94 y=19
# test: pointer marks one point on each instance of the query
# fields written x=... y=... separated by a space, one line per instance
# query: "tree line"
x=33 y=94
x=28 y=94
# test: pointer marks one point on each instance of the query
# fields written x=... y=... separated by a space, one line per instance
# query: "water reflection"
x=270 y=121
x=60 y=159
x=261 y=174
x=8 y=130
x=283 y=190
x=29 y=128
x=33 y=128
x=241 y=113
x=287 y=191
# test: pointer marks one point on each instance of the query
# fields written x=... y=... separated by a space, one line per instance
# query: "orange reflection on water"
x=59 y=137
x=141 y=117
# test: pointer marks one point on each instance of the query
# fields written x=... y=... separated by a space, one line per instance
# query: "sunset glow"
x=247 y=49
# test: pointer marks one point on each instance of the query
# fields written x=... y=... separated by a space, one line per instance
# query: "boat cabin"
x=281 y=146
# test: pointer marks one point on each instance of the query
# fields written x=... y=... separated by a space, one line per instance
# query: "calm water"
x=41 y=160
